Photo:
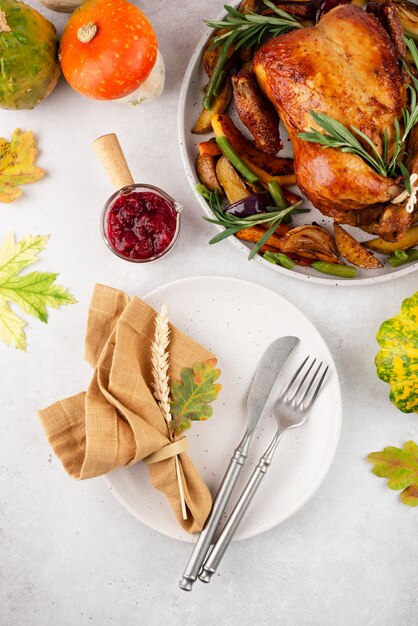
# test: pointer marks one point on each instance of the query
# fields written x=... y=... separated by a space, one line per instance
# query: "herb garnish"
x=232 y=224
x=243 y=31
x=339 y=136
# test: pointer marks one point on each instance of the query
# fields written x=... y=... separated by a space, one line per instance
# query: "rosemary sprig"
x=244 y=31
x=233 y=224
x=249 y=28
x=338 y=136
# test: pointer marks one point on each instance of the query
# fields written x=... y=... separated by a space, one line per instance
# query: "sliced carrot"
x=291 y=197
x=209 y=148
x=264 y=177
x=281 y=230
x=255 y=233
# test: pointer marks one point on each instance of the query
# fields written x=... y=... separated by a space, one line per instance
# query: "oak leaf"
x=17 y=164
x=32 y=292
x=191 y=396
x=400 y=466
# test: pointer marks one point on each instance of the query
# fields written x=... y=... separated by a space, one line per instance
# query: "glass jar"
x=140 y=223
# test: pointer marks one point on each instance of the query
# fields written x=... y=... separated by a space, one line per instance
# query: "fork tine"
x=317 y=389
x=311 y=382
x=288 y=386
x=294 y=394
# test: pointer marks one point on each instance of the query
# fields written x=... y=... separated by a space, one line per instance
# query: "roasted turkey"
x=347 y=67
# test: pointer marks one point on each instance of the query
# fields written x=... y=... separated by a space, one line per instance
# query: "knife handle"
x=212 y=562
x=222 y=497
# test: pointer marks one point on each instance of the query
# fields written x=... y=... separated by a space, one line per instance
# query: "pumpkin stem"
x=4 y=27
x=87 y=32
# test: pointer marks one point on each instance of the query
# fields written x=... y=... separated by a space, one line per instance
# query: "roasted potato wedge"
x=210 y=56
x=231 y=182
x=206 y=171
x=409 y=240
x=276 y=166
x=353 y=251
x=256 y=112
x=219 y=105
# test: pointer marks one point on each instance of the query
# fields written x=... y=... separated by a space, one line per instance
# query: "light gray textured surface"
x=69 y=554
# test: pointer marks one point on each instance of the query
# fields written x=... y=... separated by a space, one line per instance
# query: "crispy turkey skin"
x=347 y=67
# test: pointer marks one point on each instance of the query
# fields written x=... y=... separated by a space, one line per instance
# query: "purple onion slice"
x=251 y=205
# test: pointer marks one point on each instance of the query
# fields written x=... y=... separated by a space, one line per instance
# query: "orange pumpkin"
x=108 y=49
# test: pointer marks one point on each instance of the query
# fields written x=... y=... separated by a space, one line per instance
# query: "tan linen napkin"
x=117 y=421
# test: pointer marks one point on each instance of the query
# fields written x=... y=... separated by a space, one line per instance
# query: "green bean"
x=279 y=258
x=218 y=72
x=204 y=191
x=277 y=194
x=408 y=257
x=343 y=271
x=229 y=152
x=219 y=83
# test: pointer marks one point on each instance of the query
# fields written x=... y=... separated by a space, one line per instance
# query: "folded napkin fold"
x=117 y=421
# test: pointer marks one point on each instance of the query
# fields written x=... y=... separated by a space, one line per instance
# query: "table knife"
x=266 y=375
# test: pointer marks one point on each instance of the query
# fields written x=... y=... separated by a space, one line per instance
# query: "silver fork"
x=291 y=411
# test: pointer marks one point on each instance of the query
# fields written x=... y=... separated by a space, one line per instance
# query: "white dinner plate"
x=237 y=320
x=190 y=105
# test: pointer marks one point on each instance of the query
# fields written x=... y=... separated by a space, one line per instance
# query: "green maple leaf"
x=32 y=292
x=400 y=465
x=192 y=394
x=11 y=327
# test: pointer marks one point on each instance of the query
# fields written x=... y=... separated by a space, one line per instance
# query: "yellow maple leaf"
x=17 y=164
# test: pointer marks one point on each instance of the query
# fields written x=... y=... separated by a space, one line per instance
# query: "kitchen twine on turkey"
x=412 y=196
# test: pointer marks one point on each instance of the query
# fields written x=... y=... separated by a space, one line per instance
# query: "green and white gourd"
x=397 y=361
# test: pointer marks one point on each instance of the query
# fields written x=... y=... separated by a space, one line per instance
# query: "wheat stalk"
x=161 y=381
x=159 y=362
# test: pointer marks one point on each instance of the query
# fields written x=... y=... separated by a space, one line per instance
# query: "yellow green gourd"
x=29 y=67
x=397 y=361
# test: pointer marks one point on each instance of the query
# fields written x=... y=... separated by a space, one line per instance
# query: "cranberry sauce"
x=141 y=224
